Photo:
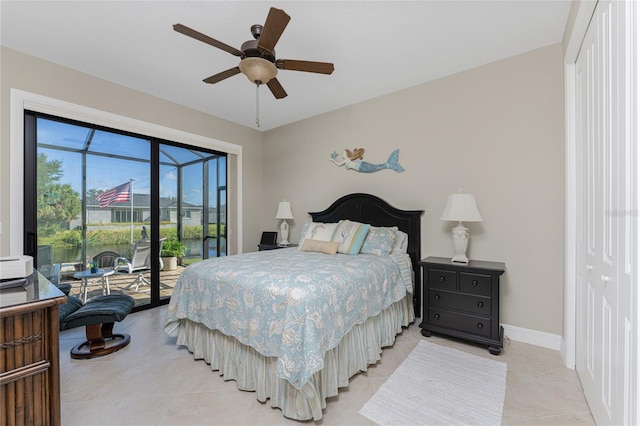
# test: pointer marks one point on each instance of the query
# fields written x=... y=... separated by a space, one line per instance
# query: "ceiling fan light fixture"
x=258 y=70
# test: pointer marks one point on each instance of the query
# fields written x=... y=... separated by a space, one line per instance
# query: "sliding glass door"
x=113 y=212
x=190 y=204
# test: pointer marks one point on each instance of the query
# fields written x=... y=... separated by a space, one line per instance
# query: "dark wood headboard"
x=366 y=208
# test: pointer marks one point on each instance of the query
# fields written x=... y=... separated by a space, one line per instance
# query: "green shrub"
x=69 y=238
x=98 y=236
x=172 y=248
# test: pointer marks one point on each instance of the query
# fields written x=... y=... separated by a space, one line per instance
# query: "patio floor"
x=122 y=284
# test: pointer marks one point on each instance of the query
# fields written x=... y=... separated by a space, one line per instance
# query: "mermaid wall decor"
x=354 y=161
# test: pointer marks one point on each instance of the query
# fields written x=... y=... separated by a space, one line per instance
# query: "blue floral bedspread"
x=288 y=304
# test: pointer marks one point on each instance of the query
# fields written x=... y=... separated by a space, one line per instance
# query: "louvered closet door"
x=607 y=212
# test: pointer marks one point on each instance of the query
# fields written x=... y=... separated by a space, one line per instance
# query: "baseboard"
x=533 y=337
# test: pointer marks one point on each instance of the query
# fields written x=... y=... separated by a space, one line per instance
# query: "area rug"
x=437 y=385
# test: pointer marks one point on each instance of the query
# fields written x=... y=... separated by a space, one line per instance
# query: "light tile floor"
x=155 y=382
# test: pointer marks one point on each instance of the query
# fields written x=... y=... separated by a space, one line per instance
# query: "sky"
x=104 y=172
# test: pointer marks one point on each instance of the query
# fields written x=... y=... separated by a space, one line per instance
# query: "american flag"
x=119 y=193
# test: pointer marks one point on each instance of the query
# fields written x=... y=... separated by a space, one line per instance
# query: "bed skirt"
x=359 y=348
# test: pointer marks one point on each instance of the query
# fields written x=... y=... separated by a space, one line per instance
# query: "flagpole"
x=131 y=188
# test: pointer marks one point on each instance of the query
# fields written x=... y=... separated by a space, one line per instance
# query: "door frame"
x=576 y=32
x=21 y=101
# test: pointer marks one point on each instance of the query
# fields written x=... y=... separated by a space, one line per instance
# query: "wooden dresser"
x=29 y=356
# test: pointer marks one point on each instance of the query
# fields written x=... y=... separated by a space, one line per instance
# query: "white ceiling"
x=378 y=47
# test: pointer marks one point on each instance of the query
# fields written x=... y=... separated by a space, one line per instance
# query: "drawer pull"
x=480 y=304
x=474 y=283
x=442 y=278
x=436 y=297
x=436 y=317
x=480 y=326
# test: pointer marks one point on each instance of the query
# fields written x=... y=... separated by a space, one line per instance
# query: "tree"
x=58 y=203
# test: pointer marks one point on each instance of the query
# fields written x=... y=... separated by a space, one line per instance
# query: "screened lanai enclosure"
x=109 y=211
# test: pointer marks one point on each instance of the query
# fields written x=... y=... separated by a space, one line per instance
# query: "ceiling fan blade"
x=307 y=66
x=206 y=39
x=222 y=75
x=275 y=24
x=276 y=88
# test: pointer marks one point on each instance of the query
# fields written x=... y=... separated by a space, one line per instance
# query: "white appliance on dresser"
x=14 y=275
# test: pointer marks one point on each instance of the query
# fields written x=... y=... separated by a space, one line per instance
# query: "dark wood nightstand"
x=262 y=247
x=463 y=300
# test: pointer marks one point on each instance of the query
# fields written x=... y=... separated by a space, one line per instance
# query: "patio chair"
x=139 y=264
x=106 y=259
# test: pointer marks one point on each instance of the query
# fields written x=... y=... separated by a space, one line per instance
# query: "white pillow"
x=401 y=243
x=319 y=231
x=303 y=232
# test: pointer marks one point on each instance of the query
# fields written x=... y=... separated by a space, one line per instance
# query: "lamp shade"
x=461 y=208
x=258 y=70
x=284 y=210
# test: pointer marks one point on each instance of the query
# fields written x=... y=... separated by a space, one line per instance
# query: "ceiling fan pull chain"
x=257 y=105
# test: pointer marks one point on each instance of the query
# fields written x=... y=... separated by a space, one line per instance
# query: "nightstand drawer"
x=479 y=326
x=439 y=278
x=475 y=283
x=462 y=302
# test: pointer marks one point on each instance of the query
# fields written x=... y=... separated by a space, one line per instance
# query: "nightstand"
x=463 y=300
x=262 y=247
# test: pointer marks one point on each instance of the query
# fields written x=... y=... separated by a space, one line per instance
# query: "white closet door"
x=627 y=402
x=607 y=212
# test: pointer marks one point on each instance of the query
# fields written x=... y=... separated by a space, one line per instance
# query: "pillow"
x=401 y=243
x=326 y=247
x=318 y=231
x=379 y=240
x=303 y=232
x=351 y=236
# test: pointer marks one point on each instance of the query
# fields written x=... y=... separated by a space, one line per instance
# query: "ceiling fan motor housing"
x=250 y=50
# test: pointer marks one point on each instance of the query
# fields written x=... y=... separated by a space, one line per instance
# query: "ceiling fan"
x=258 y=57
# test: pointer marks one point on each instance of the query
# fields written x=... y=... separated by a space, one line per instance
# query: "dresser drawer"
x=475 y=283
x=476 y=325
x=461 y=302
x=439 y=278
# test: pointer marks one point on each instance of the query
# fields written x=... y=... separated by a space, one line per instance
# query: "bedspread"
x=286 y=303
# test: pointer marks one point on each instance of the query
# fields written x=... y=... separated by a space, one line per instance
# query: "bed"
x=295 y=325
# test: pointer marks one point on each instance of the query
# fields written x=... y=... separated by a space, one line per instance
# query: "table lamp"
x=461 y=208
x=284 y=213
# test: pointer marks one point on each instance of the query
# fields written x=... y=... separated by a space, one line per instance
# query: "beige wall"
x=496 y=131
x=44 y=78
